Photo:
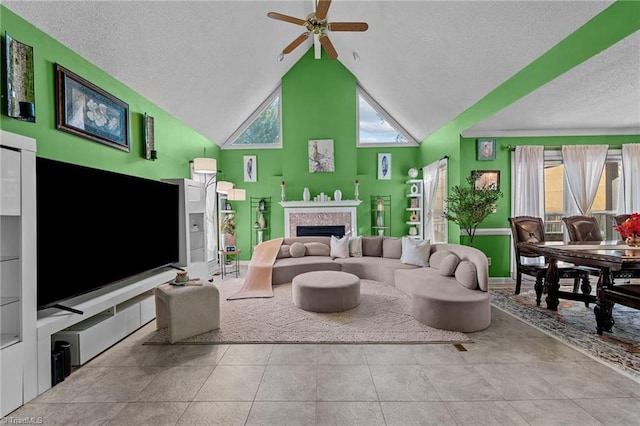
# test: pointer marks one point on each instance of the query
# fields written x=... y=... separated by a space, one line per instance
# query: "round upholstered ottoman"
x=326 y=291
x=452 y=307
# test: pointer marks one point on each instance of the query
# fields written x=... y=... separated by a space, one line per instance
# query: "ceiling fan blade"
x=322 y=8
x=348 y=26
x=328 y=46
x=295 y=43
x=285 y=18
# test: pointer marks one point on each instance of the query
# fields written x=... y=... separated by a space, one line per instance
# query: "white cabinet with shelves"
x=415 y=208
x=18 y=353
x=193 y=240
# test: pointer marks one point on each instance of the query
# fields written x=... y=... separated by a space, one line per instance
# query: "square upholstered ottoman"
x=187 y=310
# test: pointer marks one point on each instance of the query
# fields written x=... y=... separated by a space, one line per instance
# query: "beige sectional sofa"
x=450 y=294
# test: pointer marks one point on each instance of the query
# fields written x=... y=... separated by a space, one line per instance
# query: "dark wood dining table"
x=608 y=257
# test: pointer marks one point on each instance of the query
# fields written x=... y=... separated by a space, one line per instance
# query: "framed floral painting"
x=85 y=110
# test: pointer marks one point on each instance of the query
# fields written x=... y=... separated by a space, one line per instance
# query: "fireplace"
x=315 y=215
x=320 y=231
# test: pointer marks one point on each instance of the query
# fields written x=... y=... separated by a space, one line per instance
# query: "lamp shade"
x=205 y=165
x=236 y=194
x=223 y=187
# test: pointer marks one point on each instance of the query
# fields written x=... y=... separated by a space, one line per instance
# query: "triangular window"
x=376 y=127
x=262 y=128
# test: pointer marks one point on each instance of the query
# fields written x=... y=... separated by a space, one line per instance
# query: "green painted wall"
x=176 y=143
x=319 y=100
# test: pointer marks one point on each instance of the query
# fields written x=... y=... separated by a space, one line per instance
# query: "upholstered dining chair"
x=531 y=229
x=621 y=218
x=582 y=228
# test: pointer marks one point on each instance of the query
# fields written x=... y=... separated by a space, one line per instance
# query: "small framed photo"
x=415 y=203
x=486 y=149
x=230 y=248
x=384 y=165
x=488 y=179
x=250 y=163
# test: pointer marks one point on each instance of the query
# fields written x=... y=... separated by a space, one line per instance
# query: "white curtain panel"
x=629 y=198
x=211 y=226
x=583 y=166
x=430 y=180
x=528 y=184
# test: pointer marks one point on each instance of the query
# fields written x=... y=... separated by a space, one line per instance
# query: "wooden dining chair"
x=531 y=229
x=582 y=228
x=621 y=218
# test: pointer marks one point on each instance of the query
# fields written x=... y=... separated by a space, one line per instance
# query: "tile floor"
x=512 y=374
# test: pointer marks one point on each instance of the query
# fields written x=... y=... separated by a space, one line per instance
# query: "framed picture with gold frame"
x=489 y=179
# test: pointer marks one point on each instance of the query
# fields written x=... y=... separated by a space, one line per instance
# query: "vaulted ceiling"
x=211 y=63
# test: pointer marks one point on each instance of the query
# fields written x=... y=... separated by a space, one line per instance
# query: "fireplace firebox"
x=320 y=231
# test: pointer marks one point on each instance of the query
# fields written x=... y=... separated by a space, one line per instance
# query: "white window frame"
x=411 y=141
x=229 y=143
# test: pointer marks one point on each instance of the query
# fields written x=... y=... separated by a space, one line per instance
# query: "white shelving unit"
x=18 y=355
x=193 y=236
x=415 y=207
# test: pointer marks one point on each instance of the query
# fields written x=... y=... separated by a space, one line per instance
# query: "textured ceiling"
x=211 y=63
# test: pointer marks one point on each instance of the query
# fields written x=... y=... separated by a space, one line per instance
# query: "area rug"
x=383 y=316
x=575 y=324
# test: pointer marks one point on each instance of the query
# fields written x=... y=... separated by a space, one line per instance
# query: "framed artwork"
x=250 y=164
x=20 y=87
x=321 y=159
x=486 y=149
x=384 y=165
x=150 y=152
x=489 y=179
x=86 y=110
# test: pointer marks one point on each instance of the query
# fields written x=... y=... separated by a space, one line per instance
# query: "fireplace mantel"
x=341 y=203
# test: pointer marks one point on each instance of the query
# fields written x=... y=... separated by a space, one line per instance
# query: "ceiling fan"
x=316 y=24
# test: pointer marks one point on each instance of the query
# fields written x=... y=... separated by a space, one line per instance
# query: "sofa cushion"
x=467 y=274
x=437 y=257
x=415 y=251
x=373 y=268
x=339 y=247
x=284 y=251
x=448 y=265
x=285 y=269
x=355 y=246
x=317 y=249
x=297 y=250
x=391 y=248
x=372 y=246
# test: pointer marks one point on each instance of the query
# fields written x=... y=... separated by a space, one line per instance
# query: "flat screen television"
x=96 y=228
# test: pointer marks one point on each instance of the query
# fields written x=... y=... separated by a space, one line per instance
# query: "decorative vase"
x=380 y=220
x=337 y=195
x=414 y=189
x=260 y=235
x=261 y=221
x=262 y=205
x=633 y=241
x=413 y=231
x=229 y=240
x=306 y=195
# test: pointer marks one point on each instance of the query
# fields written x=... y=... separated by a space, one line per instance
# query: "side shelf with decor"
x=415 y=208
x=261 y=226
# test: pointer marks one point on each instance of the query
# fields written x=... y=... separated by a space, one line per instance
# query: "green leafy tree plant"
x=469 y=205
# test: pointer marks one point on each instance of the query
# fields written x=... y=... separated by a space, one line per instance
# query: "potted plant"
x=469 y=205
x=228 y=228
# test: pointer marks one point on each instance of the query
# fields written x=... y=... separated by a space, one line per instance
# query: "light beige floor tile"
x=247 y=355
x=416 y=413
x=122 y=384
x=484 y=351
x=42 y=413
x=518 y=382
x=341 y=355
x=197 y=354
x=402 y=383
x=345 y=383
x=349 y=413
x=548 y=349
x=460 y=383
x=288 y=383
x=554 y=412
x=139 y=355
x=489 y=413
x=294 y=354
x=613 y=411
x=75 y=384
x=176 y=384
x=216 y=414
x=149 y=414
x=439 y=354
x=86 y=414
x=282 y=413
x=231 y=383
x=389 y=354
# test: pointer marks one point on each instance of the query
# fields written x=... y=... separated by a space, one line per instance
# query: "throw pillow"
x=284 y=251
x=448 y=265
x=297 y=250
x=355 y=246
x=392 y=248
x=467 y=274
x=437 y=257
x=415 y=251
x=372 y=246
x=317 y=249
x=339 y=246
